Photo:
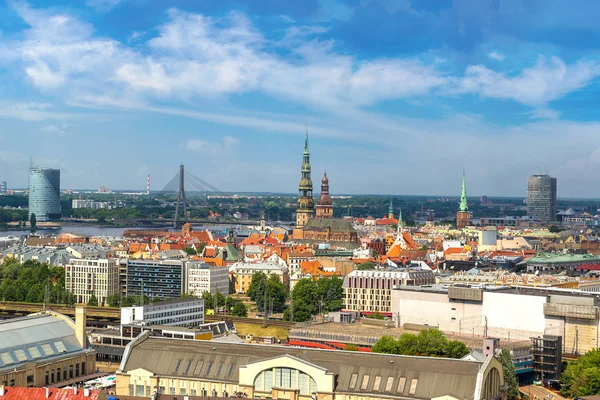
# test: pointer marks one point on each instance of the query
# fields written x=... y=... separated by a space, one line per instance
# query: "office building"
x=541 y=198
x=178 y=367
x=86 y=277
x=371 y=291
x=44 y=194
x=547 y=357
x=45 y=349
x=202 y=277
x=3 y=187
x=154 y=278
x=186 y=312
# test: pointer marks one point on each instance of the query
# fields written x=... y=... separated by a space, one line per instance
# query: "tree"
x=93 y=301
x=256 y=289
x=377 y=315
x=32 y=221
x=239 y=310
x=114 y=300
x=456 y=349
x=386 y=345
x=429 y=342
x=510 y=378
x=582 y=376
x=369 y=265
x=351 y=347
x=208 y=300
x=190 y=251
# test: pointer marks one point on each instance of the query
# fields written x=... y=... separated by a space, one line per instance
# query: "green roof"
x=232 y=253
x=334 y=224
x=551 y=258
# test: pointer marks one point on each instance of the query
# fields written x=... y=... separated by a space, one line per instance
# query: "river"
x=91 y=230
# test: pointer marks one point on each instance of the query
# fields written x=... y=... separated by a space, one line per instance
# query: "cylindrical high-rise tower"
x=44 y=193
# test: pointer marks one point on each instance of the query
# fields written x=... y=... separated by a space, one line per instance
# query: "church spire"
x=306 y=205
x=400 y=222
x=463 y=195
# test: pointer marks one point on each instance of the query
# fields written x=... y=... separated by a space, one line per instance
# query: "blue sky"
x=400 y=95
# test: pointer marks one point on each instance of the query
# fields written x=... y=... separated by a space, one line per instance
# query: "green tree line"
x=429 y=343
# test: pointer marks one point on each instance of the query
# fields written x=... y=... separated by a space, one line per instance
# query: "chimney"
x=80 y=331
x=47 y=393
x=86 y=392
x=2 y=391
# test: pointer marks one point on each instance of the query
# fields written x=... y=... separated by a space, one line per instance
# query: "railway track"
x=11 y=308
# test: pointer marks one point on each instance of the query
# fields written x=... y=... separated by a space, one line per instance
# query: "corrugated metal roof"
x=35 y=337
x=221 y=362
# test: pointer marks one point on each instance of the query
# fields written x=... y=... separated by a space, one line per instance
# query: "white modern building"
x=99 y=277
x=95 y=205
x=202 y=277
x=187 y=312
x=516 y=313
x=371 y=291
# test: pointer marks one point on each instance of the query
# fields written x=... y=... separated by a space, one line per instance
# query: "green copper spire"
x=463 y=196
x=400 y=222
x=306 y=140
x=391 y=210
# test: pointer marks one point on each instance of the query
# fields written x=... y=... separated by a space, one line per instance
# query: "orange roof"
x=386 y=221
x=31 y=393
x=315 y=269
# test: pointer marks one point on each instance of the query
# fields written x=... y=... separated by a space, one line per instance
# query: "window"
x=230 y=371
x=52 y=377
x=60 y=347
x=148 y=391
x=57 y=374
x=34 y=352
x=187 y=367
x=353 y=380
x=413 y=386
x=365 y=382
x=70 y=372
x=209 y=367
x=177 y=366
x=182 y=391
x=171 y=390
x=401 y=384
x=83 y=368
x=6 y=358
x=139 y=390
x=219 y=369
x=20 y=354
x=47 y=349
x=47 y=380
x=389 y=384
x=131 y=390
x=77 y=373
x=376 y=384
x=161 y=389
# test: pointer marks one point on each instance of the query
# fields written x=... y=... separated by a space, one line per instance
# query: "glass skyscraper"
x=44 y=193
x=541 y=198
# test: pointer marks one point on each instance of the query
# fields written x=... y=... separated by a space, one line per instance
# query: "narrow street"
x=541 y=393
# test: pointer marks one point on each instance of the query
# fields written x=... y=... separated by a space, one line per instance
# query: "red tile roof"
x=589 y=267
x=30 y=393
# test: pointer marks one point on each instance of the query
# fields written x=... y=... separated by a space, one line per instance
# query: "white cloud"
x=54 y=129
x=544 y=113
x=226 y=143
x=29 y=111
x=198 y=145
x=547 y=80
x=102 y=5
x=494 y=55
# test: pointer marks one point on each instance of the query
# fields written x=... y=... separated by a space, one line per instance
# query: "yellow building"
x=242 y=273
x=196 y=368
x=45 y=349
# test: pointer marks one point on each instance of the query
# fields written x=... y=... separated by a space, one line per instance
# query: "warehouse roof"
x=222 y=361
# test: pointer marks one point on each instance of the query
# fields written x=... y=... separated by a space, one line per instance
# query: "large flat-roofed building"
x=371 y=291
x=44 y=194
x=45 y=349
x=202 y=277
x=181 y=367
x=558 y=262
x=242 y=273
x=86 y=277
x=541 y=198
x=164 y=279
x=176 y=312
x=516 y=313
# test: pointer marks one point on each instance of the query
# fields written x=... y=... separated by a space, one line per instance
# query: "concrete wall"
x=518 y=316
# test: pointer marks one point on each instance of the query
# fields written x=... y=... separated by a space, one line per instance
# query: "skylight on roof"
x=20 y=354
x=6 y=358
x=34 y=352
x=60 y=347
x=47 y=349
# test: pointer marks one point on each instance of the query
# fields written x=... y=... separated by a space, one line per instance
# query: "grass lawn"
x=258 y=330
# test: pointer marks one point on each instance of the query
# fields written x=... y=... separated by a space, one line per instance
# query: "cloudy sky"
x=400 y=95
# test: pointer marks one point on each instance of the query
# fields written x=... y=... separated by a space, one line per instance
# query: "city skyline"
x=400 y=96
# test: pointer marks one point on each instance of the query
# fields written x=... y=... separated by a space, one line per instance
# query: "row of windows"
x=286 y=378
x=54 y=376
x=389 y=385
